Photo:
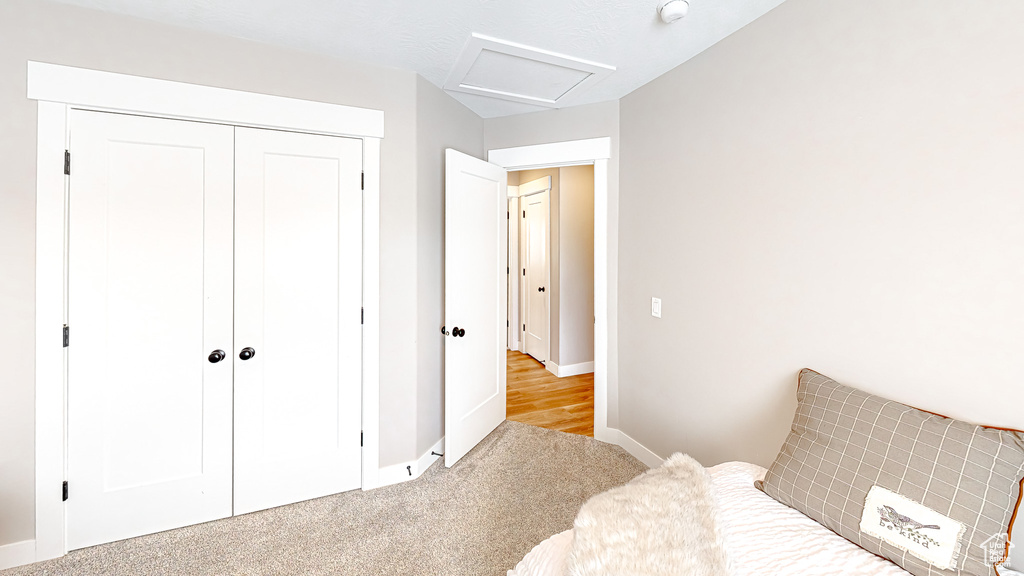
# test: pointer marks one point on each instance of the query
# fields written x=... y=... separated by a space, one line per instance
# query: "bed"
x=768 y=537
x=767 y=534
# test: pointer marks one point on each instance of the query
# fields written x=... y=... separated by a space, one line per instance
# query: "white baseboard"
x=636 y=449
x=551 y=366
x=576 y=369
x=570 y=370
x=411 y=470
x=17 y=554
x=428 y=458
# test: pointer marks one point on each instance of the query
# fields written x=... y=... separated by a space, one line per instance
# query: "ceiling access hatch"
x=509 y=71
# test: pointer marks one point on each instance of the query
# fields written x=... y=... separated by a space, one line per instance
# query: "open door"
x=474 y=301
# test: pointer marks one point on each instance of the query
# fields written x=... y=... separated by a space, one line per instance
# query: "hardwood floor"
x=539 y=398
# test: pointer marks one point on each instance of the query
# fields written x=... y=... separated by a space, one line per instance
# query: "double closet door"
x=214 y=292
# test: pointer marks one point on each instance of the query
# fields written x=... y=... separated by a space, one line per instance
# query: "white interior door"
x=298 y=278
x=474 y=301
x=537 y=241
x=149 y=272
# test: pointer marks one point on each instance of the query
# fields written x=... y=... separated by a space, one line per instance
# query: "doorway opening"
x=551 y=320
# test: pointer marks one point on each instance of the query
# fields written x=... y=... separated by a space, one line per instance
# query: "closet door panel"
x=150 y=296
x=298 y=270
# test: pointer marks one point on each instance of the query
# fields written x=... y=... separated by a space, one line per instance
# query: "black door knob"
x=541 y=289
x=216 y=356
x=246 y=353
x=461 y=332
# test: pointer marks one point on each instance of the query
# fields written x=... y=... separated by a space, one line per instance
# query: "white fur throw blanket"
x=661 y=523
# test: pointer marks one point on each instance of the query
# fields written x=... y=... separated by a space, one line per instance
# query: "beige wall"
x=42 y=31
x=576 y=265
x=571 y=288
x=577 y=123
x=441 y=122
x=837 y=186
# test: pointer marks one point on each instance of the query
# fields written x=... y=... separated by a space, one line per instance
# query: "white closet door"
x=298 y=277
x=149 y=416
x=537 y=285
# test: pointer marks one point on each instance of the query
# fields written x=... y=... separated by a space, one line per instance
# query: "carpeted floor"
x=519 y=486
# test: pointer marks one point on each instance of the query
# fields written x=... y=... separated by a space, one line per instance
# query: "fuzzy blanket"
x=661 y=523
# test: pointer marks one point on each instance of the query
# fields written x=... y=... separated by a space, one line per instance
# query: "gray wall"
x=837 y=186
x=577 y=123
x=36 y=30
x=441 y=122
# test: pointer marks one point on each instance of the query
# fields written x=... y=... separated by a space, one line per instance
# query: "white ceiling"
x=427 y=36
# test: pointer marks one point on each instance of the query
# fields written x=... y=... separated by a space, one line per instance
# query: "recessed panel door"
x=150 y=301
x=475 y=298
x=537 y=295
x=298 y=290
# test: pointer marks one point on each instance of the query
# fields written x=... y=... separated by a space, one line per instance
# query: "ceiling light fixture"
x=672 y=10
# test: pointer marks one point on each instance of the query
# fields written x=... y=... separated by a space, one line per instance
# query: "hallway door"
x=537 y=296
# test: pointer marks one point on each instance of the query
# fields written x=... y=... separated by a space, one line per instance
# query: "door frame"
x=596 y=152
x=58 y=89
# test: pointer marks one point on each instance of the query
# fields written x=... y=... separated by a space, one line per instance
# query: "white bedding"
x=763 y=536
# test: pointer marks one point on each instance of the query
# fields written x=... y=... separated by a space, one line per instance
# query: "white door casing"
x=536 y=248
x=475 y=301
x=515 y=276
x=58 y=90
x=298 y=246
x=596 y=151
x=149 y=417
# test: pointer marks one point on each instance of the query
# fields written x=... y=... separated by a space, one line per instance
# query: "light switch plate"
x=656 y=307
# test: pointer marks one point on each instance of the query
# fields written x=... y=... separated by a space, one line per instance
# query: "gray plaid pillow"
x=844 y=441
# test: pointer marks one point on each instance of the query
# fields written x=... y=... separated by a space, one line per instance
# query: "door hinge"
x=524 y=327
x=362 y=315
x=67 y=335
x=67 y=162
x=64 y=493
x=524 y=213
x=508 y=324
x=360 y=438
x=524 y=271
x=362 y=180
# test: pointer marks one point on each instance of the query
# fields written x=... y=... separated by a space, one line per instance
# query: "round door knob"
x=246 y=353
x=541 y=289
x=455 y=332
x=462 y=332
x=216 y=356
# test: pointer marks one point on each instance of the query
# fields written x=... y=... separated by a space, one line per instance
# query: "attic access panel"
x=509 y=71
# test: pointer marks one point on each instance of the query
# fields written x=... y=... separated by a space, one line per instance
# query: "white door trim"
x=596 y=151
x=535 y=187
x=83 y=88
x=58 y=89
x=513 y=264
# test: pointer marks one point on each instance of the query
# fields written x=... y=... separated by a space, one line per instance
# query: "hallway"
x=539 y=398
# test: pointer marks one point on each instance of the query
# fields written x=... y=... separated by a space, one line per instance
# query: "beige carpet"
x=519 y=486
